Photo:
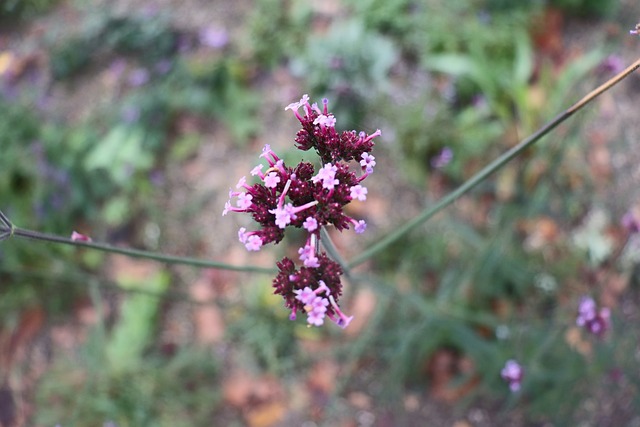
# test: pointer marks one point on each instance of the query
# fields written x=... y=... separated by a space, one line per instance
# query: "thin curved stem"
x=5 y=221
x=489 y=169
x=137 y=253
x=6 y=227
x=331 y=250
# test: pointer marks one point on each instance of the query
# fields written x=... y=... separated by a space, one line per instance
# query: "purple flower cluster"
x=595 y=321
x=306 y=198
x=512 y=373
x=442 y=159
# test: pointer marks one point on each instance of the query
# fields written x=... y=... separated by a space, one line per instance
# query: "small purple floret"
x=513 y=374
x=594 y=321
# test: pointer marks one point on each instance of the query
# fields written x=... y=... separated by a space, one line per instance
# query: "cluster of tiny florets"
x=319 y=132
x=593 y=320
x=308 y=198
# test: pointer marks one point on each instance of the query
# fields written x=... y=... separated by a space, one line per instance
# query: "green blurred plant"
x=150 y=40
x=260 y=329
x=397 y=19
x=23 y=9
x=424 y=133
x=277 y=31
x=126 y=376
x=350 y=65
x=219 y=88
x=177 y=391
x=587 y=8
x=135 y=329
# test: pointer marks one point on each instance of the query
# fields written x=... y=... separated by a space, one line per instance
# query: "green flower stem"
x=136 y=253
x=489 y=169
x=5 y=220
x=331 y=250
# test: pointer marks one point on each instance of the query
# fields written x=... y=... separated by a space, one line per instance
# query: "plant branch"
x=331 y=249
x=489 y=169
x=137 y=253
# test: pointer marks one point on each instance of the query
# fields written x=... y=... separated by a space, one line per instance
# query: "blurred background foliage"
x=452 y=84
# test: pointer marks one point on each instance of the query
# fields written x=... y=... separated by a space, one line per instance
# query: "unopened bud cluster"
x=307 y=198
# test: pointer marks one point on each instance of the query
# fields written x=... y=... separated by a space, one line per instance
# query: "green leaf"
x=120 y=153
x=135 y=327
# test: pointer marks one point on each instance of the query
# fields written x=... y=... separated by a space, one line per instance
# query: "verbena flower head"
x=512 y=373
x=307 y=197
x=594 y=321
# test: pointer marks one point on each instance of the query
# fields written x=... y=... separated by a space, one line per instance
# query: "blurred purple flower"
x=117 y=67
x=480 y=102
x=213 y=37
x=484 y=17
x=150 y=10
x=9 y=90
x=631 y=222
x=43 y=101
x=616 y=375
x=163 y=67
x=156 y=177
x=185 y=43
x=130 y=114
x=442 y=159
x=612 y=64
x=52 y=174
x=336 y=62
x=512 y=373
x=57 y=182
x=138 y=77
x=595 y=321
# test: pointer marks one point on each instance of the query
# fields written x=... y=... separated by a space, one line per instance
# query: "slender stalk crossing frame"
x=8 y=230
x=490 y=168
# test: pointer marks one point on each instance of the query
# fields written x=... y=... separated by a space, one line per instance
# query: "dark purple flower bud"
x=77 y=237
